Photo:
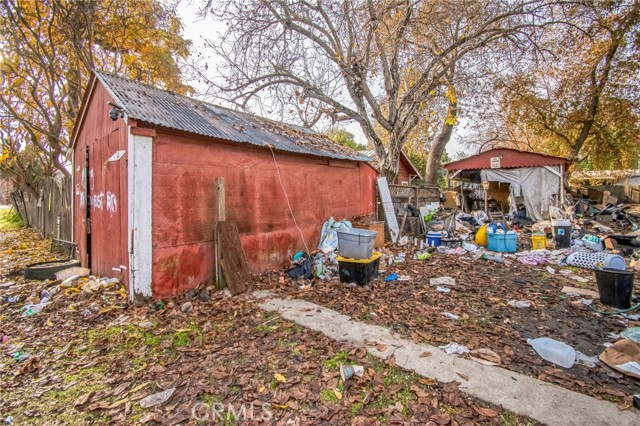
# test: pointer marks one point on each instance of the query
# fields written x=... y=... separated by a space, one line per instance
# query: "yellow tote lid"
x=376 y=255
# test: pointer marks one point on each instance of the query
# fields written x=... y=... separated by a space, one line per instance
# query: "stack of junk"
x=358 y=263
x=570 y=238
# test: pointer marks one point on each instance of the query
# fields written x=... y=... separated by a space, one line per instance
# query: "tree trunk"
x=390 y=162
x=439 y=145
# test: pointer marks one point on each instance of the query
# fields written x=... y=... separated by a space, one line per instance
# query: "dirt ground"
x=480 y=298
x=88 y=358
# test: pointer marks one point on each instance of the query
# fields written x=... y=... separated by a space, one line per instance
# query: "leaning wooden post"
x=221 y=215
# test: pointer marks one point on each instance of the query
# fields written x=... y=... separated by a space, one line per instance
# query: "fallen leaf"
x=420 y=393
x=487 y=412
x=83 y=399
x=441 y=418
x=338 y=394
x=464 y=376
x=425 y=354
x=391 y=361
x=280 y=378
x=380 y=347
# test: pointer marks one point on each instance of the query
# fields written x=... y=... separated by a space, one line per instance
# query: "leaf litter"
x=483 y=321
x=92 y=359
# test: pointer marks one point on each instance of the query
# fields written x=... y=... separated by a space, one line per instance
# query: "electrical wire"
x=287 y=198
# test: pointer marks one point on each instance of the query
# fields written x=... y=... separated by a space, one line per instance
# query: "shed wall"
x=105 y=183
x=403 y=175
x=183 y=204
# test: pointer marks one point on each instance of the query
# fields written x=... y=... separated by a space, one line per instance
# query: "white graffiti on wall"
x=98 y=201
x=101 y=201
x=81 y=187
x=112 y=202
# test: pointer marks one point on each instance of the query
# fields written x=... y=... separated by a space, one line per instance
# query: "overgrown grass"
x=10 y=219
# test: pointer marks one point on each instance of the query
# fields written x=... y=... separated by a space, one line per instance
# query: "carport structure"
x=534 y=180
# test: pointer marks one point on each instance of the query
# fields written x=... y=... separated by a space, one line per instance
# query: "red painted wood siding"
x=184 y=173
x=107 y=188
x=403 y=174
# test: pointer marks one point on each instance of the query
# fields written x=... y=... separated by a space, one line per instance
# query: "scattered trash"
x=587 y=361
x=422 y=255
x=301 y=267
x=519 y=303
x=442 y=281
x=532 y=259
x=623 y=356
x=491 y=257
x=145 y=325
x=158 y=305
x=586 y=302
x=157 y=398
x=32 y=309
x=443 y=289
x=554 y=351
x=20 y=356
x=580 y=292
x=186 y=307
x=632 y=333
x=551 y=270
x=204 y=296
x=455 y=348
x=391 y=277
x=11 y=299
x=451 y=316
x=329 y=236
x=348 y=371
x=404 y=278
x=8 y=420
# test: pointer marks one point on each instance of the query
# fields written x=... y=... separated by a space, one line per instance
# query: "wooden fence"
x=417 y=196
x=50 y=210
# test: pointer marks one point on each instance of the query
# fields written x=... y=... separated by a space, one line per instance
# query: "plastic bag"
x=302 y=269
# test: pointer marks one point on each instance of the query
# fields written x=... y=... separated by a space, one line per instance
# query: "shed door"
x=105 y=208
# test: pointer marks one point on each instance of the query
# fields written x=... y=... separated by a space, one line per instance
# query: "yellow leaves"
x=338 y=394
x=280 y=378
x=450 y=94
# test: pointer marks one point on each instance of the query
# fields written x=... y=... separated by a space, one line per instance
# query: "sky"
x=196 y=29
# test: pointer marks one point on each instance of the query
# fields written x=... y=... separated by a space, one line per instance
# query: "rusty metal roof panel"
x=509 y=159
x=162 y=108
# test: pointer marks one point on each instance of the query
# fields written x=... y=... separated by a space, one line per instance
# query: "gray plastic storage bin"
x=356 y=243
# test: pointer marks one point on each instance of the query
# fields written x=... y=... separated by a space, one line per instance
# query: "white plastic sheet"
x=535 y=184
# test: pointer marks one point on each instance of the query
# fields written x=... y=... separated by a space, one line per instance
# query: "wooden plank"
x=389 y=211
x=234 y=261
x=220 y=214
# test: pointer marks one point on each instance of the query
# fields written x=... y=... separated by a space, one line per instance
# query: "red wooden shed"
x=406 y=170
x=144 y=205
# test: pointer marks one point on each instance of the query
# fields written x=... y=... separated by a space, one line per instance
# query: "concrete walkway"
x=542 y=401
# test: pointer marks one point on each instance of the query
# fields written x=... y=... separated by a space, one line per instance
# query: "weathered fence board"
x=50 y=210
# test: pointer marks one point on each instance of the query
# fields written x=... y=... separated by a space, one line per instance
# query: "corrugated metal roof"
x=155 y=106
x=374 y=159
x=509 y=158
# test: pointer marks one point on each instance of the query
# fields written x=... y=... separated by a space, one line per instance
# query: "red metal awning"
x=505 y=158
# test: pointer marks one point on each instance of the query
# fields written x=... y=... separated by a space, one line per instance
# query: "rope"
x=287 y=198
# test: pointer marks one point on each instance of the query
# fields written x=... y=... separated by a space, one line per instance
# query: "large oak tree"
x=47 y=49
x=378 y=63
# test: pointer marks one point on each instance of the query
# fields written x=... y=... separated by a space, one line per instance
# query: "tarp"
x=535 y=184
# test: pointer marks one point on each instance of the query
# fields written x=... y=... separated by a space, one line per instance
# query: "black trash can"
x=562 y=233
x=615 y=287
